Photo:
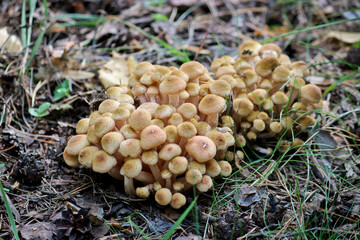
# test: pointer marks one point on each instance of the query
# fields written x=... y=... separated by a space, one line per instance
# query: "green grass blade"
x=9 y=213
x=35 y=49
x=179 y=221
x=138 y=229
x=23 y=24
x=307 y=29
x=332 y=86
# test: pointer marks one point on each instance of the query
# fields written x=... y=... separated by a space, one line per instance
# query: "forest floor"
x=313 y=193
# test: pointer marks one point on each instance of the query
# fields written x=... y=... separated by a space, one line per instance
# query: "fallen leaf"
x=40 y=231
x=346 y=37
x=247 y=195
x=9 y=43
x=77 y=75
x=115 y=72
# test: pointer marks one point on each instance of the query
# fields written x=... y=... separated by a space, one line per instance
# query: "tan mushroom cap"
x=164 y=111
x=265 y=66
x=171 y=133
x=172 y=85
x=150 y=106
x=198 y=166
x=250 y=78
x=279 y=98
x=275 y=127
x=225 y=70
x=205 y=184
x=108 y=105
x=140 y=119
x=259 y=125
x=201 y=148
x=221 y=88
x=203 y=128
x=178 y=186
x=130 y=148
x=178 y=165
x=299 y=68
x=143 y=192
x=149 y=157
x=226 y=168
x=169 y=151
x=218 y=138
x=243 y=106
x=70 y=160
x=76 y=144
x=103 y=162
x=86 y=156
x=103 y=125
x=193 y=69
x=114 y=92
x=94 y=116
x=212 y=104
x=193 y=176
x=143 y=67
x=270 y=50
x=212 y=168
x=178 y=200
x=132 y=167
x=163 y=196
x=187 y=110
x=193 y=89
x=186 y=130
x=110 y=142
x=311 y=93
x=158 y=123
x=128 y=132
x=82 y=126
x=306 y=121
x=175 y=119
x=280 y=74
x=151 y=137
x=257 y=96
x=181 y=74
x=249 y=49
x=91 y=135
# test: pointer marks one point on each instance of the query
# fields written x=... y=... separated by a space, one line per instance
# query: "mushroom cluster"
x=170 y=128
x=270 y=96
x=163 y=143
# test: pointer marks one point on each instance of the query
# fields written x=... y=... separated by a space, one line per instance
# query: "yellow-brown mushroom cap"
x=243 y=106
x=132 y=167
x=86 y=156
x=163 y=196
x=193 y=69
x=76 y=144
x=212 y=104
x=151 y=137
x=178 y=200
x=201 y=148
x=140 y=119
x=311 y=93
x=103 y=162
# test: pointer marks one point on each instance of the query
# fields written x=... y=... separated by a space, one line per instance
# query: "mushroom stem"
x=174 y=100
x=157 y=174
x=129 y=186
x=145 y=177
x=212 y=120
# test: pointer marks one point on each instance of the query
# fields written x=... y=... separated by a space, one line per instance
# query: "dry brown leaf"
x=115 y=72
x=346 y=37
x=9 y=43
x=77 y=75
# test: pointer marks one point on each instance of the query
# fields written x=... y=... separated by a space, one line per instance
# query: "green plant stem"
x=9 y=213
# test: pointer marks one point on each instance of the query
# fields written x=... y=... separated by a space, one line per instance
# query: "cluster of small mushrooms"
x=170 y=128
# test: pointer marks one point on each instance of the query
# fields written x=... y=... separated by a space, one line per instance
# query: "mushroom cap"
x=91 y=135
x=143 y=192
x=226 y=168
x=212 y=168
x=259 y=125
x=130 y=148
x=220 y=87
x=205 y=184
x=110 y=142
x=146 y=78
x=311 y=93
x=199 y=166
x=193 y=89
x=297 y=82
x=218 y=138
x=270 y=50
x=171 y=133
x=178 y=200
x=193 y=69
x=76 y=144
x=140 y=119
x=187 y=110
x=216 y=63
x=120 y=113
x=128 y=132
x=181 y=74
x=178 y=186
x=143 y=67
x=169 y=151
x=203 y=128
x=178 y=165
x=132 y=167
x=225 y=70
x=243 y=106
x=299 y=68
x=266 y=65
x=249 y=49
x=275 y=127
x=175 y=119
x=164 y=111
x=250 y=78
x=163 y=196
x=115 y=91
x=150 y=157
x=212 y=104
x=257 y=96
x=279 y=98
x=158 y=123
x=151 y=137
x=103 y=125
x=193 y=176
x=108 y=105
x=241 y=65
x=103 y=162
x=82 y=126
x=172 y=85
x=186 y=130
x=160 y=73
x=229 y=79
x=86 y=156
x=201 y=148
x=280 y=74
x=265 y=84
x=94 y=116
x=150 y=106
x=166 y=174
x=70 y=160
